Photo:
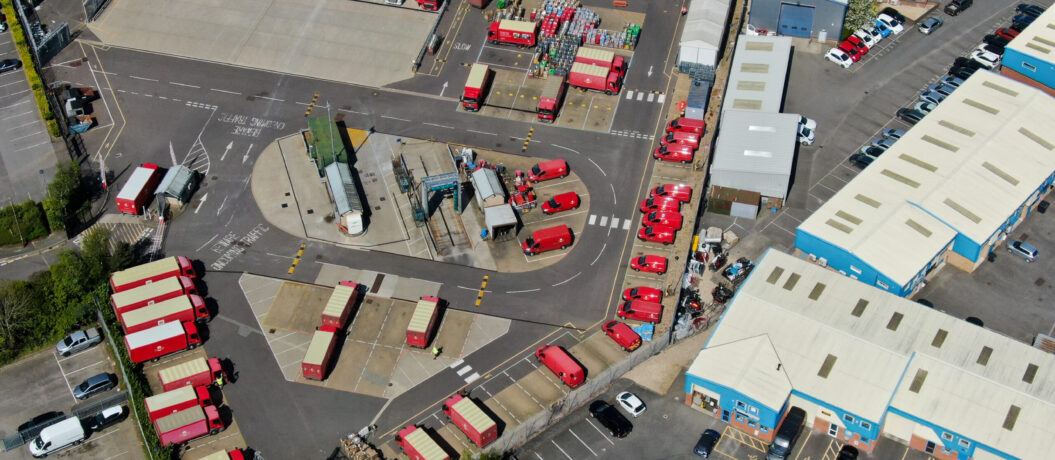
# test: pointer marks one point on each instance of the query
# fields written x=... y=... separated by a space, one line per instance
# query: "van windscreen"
x=536 y=170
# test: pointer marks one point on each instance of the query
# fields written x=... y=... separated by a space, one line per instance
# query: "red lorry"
x=158 y=341
x=423 y=322
x=224 y=455
x=472 y=420
x=339 y=307
x=183 y=309
x=597 y=78
x=551 y=99
x=317 y=359
x=196 y=372
x=512 y=32
x=602 y=57
x=150 y=272
x=418 y=445
x=476 y=87
x=149 y=294
x=170 y=402
x=137 y=192
x=188 y=424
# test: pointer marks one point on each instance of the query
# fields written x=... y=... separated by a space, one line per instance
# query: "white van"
x=57 y=437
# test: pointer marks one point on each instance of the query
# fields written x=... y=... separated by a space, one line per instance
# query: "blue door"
x=795 y=20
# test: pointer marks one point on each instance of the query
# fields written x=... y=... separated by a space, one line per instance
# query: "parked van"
x=562 y=364
x=622 y=335
x=547 y=239
x=660 y=203
x=680 y=192
x=547 y=170
x=640 y=310
x=674 y=152
x=682 y=137
x=786 y=434
x=57 y=437
x=689 y=125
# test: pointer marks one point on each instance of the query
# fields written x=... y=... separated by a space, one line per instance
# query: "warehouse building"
x=755 y=152
x=1030 y=57
x=948 y=192
x=800 y=18
x=863 y=363
x=758 y=74
x=699 y=48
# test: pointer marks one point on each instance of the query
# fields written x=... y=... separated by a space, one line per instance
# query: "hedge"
x=19 y=36
x=22 y=223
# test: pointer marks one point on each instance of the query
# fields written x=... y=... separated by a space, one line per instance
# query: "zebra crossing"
x=610 y=222
x=633 y=134
x=647 y=96
x=130 y=233
x=465 y=370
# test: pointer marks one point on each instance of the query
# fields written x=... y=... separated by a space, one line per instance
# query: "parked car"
x=43 y=420
x=561 y=202
x=987 y=59
x=848 y=452
x=956 y=7
x=860 y=160
x=648 y=294
x=944 y=90
x=1032 y=10
x=656 y=234
x=705 y=445
x=883 y=142
x=949 y=80
x=866 y=37
x=1024 y=19
x=77 y=341
x=871 y=151
x=667 y=218
x=877 y=36
x=634 y=405
x=649 y=263
x=617 y=425
x=1009 y=34
x=930 y=25
x=839 y=57
x=107 y=417
x=850 y=50
x=893 y=133
x=932 y=96
x=963 y=72
x=925 y=107
x=967 y=62
x=857 y=42
x=9 y=64
x=991 y=48
x=891 y=22
x=996 y=40
x=622 y=335
x=894 y=14
x=883 y=29
x=910 y=116
x=95 y=384
x=1023 y=249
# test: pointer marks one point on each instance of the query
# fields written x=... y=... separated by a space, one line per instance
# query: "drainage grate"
x=1039 y=282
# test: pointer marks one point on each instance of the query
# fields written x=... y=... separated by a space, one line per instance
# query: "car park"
x=617 y=425
x=891 y=22
x=680 y=192
x=932 y=96
x=561 y=202
x=893 y=133
x=705 y=445
x=95 y=384
x=956 y=7
x=7 y=65
x=883 y=142
x=867 y=38
x=860 y=160
x=987 y=59
x=1032 y=10
x=944 y=90
x=107 y=417
x=925 y=107
x=910 y=116
x=850 y=50
x=546 y=170
x=656 y=234
x=930 y=25
x=623 y=335
x=648 y=294
x=649 y=263
x=631 y=403
x=666 y=218
x=1023 y=249
x=839 y=57
x=43 y=420
x=996 y=40
x=871 y=151
x=1006 y=33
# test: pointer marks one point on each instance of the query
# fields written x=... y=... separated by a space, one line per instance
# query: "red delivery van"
x=137 y=192
x=674 y=152
x=622 y=335
x=317 y=359
x=680 y=192
x=181 y=309
x=149 y=294
x=224 y=455
x=422 y=323
x=472 y=420
x=170 y=402
x=561 y=363
x=639 y=310
x=188 y=424
x=196 y=372
x=691 y=125
x=418 y=445
x=660 y=203
x=546 y=170
x=340 y=305
x=682 y=137
x=665 y=218
x=158 y=341
x=547 y=239
x=151 y=272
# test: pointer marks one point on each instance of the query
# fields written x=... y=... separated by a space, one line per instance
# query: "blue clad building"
x=1030 y=57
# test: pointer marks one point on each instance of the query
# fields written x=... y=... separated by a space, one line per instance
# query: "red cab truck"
x=561 y=363
x=170 y=402
x=150 y=272
x=476 y=87
x=340 y=305
x=512 y=32
x=423 y=322
x=595 y=77
x=196 y=372
x=472 y=420
x=551 y=99
x=547 y=239
x=224 y=455
x=158 y=341
x=602 y=57
x=149 y=294
x=317 y=359
x=188 y=424
x=137 y=192
x=418 y=445
x=182 y=309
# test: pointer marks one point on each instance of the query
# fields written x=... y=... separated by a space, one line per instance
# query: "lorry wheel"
x=77 y=443
x=564 y=247
x=608 y=92
x=213 y=431
x=192 y=346
x=494 y=42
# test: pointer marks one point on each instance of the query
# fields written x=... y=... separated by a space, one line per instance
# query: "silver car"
x=1023 y=249
x=930 y=24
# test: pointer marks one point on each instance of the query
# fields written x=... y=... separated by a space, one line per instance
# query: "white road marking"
x=184 y=84
x=626 y=224
x=480 y=132
x=604 y=221
x=565 y=148
x=394 y=118
x=142 y=78
x=16 y=115
x=629 y=94
x=34 y=145
x=651 y=96
x=615 y=222
x=599 y=431
x=271 y=99
x=593 y=218
x=613 y=193
x=561 y=450
x=599 y=254
x=569 y=279
x=598 y=167
x=472 y=378
x=224 y=91
x=438 y=126
x=351 y=111
x=640 y=96
x=464 y=370
x=457 y=363
x=661 y=98
x=525 y=290
x=64 y=376
x=583 y=442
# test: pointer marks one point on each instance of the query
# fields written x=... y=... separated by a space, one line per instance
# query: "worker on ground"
x=219 y=380
x=435 y=352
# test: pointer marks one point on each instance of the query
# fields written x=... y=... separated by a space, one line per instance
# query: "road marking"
x=271 y=99
x=599 y=254
x=626 y=224
x=457 y=363
x=604 y=221
x=613 y=193
x=472 y=378
x=438 y=126
x=565 y=148
x=296 y=260
x=615 y=222
x=351 y=111
x=17 y=115
x=569 y=279
x=480 y=132
x=599 y=431
x=225 y=91
x=394 y=118
x=583 y=442
x=34 y=145
x=598 y=167
x=593 y=218
x=183 y=84
x=640 y=96
x=651 y=96
x=464 y=370
x=27 y=135
x=525 y=290
x=142 y=78
x=661 y=98
x=23 y=125
x=561 y=450
x=64 y=376
x=629 y=94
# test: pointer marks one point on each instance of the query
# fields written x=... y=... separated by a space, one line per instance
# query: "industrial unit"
x=700 y=44
x=755 y=152
x=864 y=363
x=1028 y=58
x=803 y=18
x=949 y=191
x=758 y=74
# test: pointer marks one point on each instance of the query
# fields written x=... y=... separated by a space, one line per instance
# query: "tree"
x=65 y=193
x=859 y=13
x=17 y=299
x=124 y=256
x=96 y=254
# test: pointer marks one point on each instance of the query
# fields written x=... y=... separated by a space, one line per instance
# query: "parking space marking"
x=118 y=455
x=561 y=450
x=744 y=438
x=82 y=368
x=583 y=442
x=600 y=432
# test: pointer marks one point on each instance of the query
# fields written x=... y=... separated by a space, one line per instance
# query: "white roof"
x=870 y=338
x=147 y=291
x=755 y=142
x=750 y=366
x=487 y=183
x=953 y=165
x=183 y=370
x=342 y=188
x=757 y=74
x=170 y=398
x=156 y=311
x=499 y=216
x=320 y=344
x=154 y=334
x=1038 y=39
x=472 y=413
x=704 y=25
x=136 y=182
x=423 y=312
x=339 y=299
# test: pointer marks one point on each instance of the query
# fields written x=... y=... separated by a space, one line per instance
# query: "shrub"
x=22 y=223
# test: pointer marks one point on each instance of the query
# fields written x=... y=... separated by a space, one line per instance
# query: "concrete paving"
x=343 y=41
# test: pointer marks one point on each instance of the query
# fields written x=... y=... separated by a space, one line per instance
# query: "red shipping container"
x=137 y=192
x=418 y=445
x=472 y=420
x=170 y=402
x=188 y=424
x=161 y=340
x=340 y=305
x=151 y=272
x=196 y=372
x=419 y=332
x=181 y=309
x=317 y=360
x=151 y=293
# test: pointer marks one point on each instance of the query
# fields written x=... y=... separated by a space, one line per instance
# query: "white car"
x=889 y=21
x=867 y=38
x=806 y=135
x=634 y=405
x=840 y=58
x=808 y=122
x=986 y=58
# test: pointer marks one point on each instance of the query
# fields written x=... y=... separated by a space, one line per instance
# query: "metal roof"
x=595 y=53
x=422 y=315
x=758 y=74
x=320 y=344
x=1038 y=39
x=170 y=398
x=139 y=178
x=180 y=419
x=473 y=414
x=589 y=69
x=425 y=445
x=954 y=166
x=477 y=75
x=146 y=270
x=154 y=334
x=156 y=311
x=182 y=370
x=499 y=216
x=338 y=300
x=705 y=23
x=868 y=338
x=147 y=291
x=177 y=183
x=342 y=188
x=750 y=365
x=518 y=26
x=759 y=144
x=487 y=184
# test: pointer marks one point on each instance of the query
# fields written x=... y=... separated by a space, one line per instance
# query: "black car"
x=995 y=49
x=894 y=14
x=107 y=417
x=848 y=452
x=43 y=420
x=910 y=116
x=962 y=72
x=925 y=303
x=1024 y=18
x=9 y=64
x=967 y=62
x=705 y=445
x=1032 y=10
x=95 y=384
x=610 y=417
x=861 y=160
x=995 y=40
x=957 y=6
x=975 y=321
